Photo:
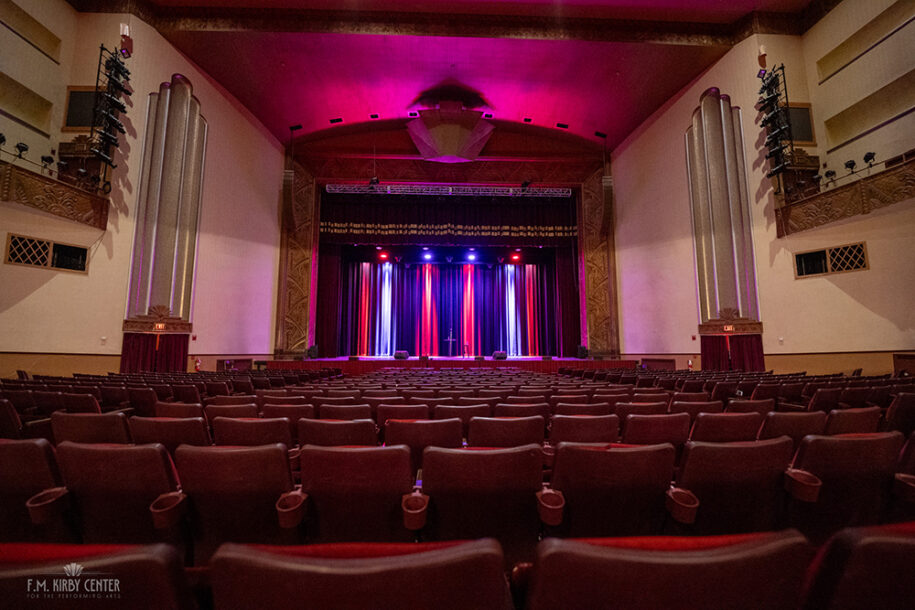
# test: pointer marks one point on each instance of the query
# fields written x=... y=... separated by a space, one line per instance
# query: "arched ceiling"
x=600 y=67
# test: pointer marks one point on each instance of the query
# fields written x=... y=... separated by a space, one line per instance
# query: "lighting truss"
x=458 y=190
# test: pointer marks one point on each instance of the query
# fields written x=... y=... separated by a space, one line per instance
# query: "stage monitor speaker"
x=582 y=352
x=546 y=357
x=401 y=354
x=479 y=358
x=353 y=358
x=499 y=355
x=424 y=358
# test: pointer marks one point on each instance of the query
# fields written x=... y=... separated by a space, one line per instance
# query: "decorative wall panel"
x=599 y=276
x=25 y=187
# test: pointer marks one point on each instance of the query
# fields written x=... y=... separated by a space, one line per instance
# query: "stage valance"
x=411 y=219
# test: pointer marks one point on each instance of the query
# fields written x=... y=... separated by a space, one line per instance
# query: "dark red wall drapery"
x=715 y=353
x=329 y=299
x=157 y=353
x=747 y=353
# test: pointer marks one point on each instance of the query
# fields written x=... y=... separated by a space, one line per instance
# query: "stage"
x=366 y=364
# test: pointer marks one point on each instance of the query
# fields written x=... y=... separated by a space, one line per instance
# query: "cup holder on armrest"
x=168 y=509
x=550 y=505
x=290 y=508
x=802 y=485
x=682 y=505
x=414 y=506
x=48 y=504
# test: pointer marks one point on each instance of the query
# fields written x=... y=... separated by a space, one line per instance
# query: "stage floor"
x=368 y=364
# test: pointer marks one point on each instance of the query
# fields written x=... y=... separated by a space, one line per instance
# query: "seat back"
x=625 y=409
x=825 y=399
x=689 y=397
x=214 y=411
x=522 y=410
x=725 y=427
x=762 y=406
x=187 y=393
x=421 y=433
x=143 y=401
x=90 y=427
x=852 y=421
x=354 y=493
x=505 y=431
x=484 y=493
x=763 y=571
x=901 y=413
x=332 y=411
x=613 y=490
x=739 y=485
x=765 y=391
x=10 y=424
x=330 y=432
x=448 y=575
x=695 y=408
x=178 y=409
x=463 y=413
x=130 y=576
x=223 y=399
x=854 y=398
x=291 y=412
x=386 y=412
x=794 y=425
x=111 y=488
x=584 y=429
x=670 y=428
x=29 y=466
x=865 y=567
x=233 y=492
x=856 y=471
x=48 y=402
x=252 y=431
x=170 y=431
x=81 y=403
x=591 y=408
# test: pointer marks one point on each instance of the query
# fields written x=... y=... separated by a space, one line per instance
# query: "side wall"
x=45 y=312
x=813 y=323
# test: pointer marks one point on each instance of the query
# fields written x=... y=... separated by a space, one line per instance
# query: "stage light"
x=22 y=147
x=850 y=165
x=427 y=256
x=761 y=73
x=378 y=247
x=471 y=249
x=869 y=157
x=383 y=256
x=46 y=160
x=2 y=139
x=516 y=257
x=817 y=178
x=471 y=257
x=830 y=174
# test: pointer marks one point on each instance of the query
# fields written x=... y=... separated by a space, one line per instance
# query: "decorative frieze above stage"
x=370 y=365
x=26 y=187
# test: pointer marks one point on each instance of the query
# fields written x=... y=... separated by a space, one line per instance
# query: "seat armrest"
x=38 y=428
x=550 y=506
x=682 y=505
x=549 y=455
x=791 y=407
x=293 y=455
x=802 y=485
x=48 y=504
x=168 y=509
x=290 y=508
x=904 y=487
x=415 y=507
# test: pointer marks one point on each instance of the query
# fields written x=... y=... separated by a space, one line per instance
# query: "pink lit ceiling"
x=590 y=82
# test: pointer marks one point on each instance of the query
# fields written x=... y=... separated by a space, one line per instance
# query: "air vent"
x=34 y=252
x=851 y=257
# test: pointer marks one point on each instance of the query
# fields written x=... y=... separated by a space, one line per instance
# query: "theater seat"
x=214 y=411
x=179 y=409
x=237 y=494
x=111 y=488
x=584 y=429
x=725 y=427
x=851 y=421
x=333 y=411
x=388 y=411
x=12 y=427
x=330 y=432
x=111 y=575
x=763 y=407
x=612 y=490
x=418 y=434
x=90 y=427
x=591 y=408
x=505 y=431
x=670 y=428
x=739 y=485
x=484 y=493
x=355 y=493
x=441 y=575
x=291 y=412
x=865 y=567
x=463 y=412
x=251 y=431
x=759 y=571
x=695 y=408
x=794 y=425
x=27 y=467
x=170 y=431
x=901 y=413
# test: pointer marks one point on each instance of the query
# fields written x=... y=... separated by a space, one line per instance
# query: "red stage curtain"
x=329 y=301
x=569 y=314
x=147 y=352
x=715 y=353
x=746 y=353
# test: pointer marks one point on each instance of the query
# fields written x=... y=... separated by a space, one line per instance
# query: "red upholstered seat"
x=244 y=410
x=484 y=493
x=901 y=413
x=81 y=403
x=695 y=408
x=591 y=408
x=354 y=493
x=450 y=575
x=851 y=421
x=624 y=409
x=111 y=488
x=463 y=412
x=187 y=393
x=179 y=409
x=251 y=431
x=388 y=411
x=349 y=411
x=584 y=429
x=11 y=426
x=522 y=410
x=794 y=425
x=223 y=399
x=143 y=401
x=90 y=427
x=337 y=432
x=725 y=427
x=115 y=575
x=865 y=567
x=291 y=412
x=233 y=493
x=170 y=431
x=421 y=433
x=740 y=485
x=670 y=428
x=760 y=571
x=505 y=431
x=612 y=490
x=763 y=407
x=27 y=467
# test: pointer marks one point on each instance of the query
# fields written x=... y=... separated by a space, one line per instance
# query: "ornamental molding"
x=729 y=322
x=25 y=187
x=159 y=319
x=869 y=193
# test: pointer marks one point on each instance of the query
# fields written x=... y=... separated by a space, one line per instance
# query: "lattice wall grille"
x=29 y=251
x=847 y=258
